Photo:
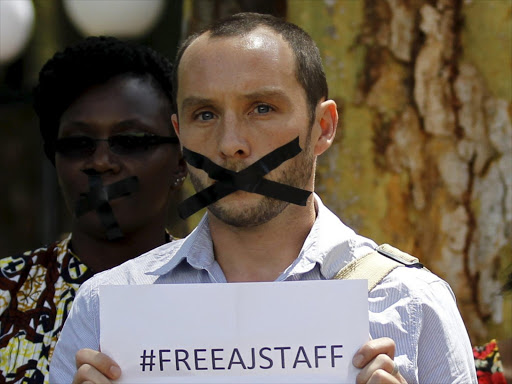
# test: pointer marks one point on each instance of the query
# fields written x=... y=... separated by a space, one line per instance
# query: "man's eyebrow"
x=266 y=93
x=194 y=101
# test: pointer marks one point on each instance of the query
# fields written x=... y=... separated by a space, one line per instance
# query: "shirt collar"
x=196 y=249
x=330 y=244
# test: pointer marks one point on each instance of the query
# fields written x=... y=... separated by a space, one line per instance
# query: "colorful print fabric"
x=37 y=289
x=489 y=369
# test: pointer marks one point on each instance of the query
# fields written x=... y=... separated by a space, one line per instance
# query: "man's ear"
x=175 y=124
x=327 y=120
x=181 y=170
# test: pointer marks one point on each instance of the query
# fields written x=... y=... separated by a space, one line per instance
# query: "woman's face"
x=127 y=106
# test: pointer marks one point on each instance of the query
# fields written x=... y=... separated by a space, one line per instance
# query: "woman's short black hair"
x=93 y=60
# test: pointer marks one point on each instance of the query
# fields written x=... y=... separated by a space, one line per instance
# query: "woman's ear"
x=327 y=119
x=181 y=170
x=179 y=174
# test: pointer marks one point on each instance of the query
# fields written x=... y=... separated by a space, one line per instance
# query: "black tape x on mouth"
x=98 y=198
x=249 y=179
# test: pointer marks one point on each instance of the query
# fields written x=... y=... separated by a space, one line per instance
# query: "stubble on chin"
x=264 y=211
x=240 y=216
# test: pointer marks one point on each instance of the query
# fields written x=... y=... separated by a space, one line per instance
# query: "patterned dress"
x=36 y=292
x=489 y=369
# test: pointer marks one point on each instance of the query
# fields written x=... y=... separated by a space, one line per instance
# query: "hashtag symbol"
x=145 y=357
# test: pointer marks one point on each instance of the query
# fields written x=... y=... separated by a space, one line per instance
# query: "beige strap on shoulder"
x=377 y=264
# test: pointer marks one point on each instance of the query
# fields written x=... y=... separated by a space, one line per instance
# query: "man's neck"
x=263 y=252
x=102 y=254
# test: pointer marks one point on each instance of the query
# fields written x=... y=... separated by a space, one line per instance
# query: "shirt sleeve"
x=418 y=311
x=81 y=330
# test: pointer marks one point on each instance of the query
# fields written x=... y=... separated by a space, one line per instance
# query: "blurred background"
x=423 y=154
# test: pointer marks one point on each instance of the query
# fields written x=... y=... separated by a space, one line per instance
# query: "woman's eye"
x=204 y=116
x=263 y=108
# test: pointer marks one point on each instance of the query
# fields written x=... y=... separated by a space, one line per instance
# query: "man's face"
x=238 y=100
x=122 y=106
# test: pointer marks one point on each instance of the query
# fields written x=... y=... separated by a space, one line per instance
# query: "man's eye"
x=263 y=108
x=204 y=116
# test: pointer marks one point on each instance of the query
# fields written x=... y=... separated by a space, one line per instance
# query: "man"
x=104 y=108
x=246 y=88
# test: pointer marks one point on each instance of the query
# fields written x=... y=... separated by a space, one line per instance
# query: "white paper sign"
x=288 y=332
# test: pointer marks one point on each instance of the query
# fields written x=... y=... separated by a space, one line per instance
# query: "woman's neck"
x=100 y=254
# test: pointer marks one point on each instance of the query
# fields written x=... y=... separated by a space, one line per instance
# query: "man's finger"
x=99 y=362
x=87 y=374
x=381 y=377
x=380 y=367
x=372 y=349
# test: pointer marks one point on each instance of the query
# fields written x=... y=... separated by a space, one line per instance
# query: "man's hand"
x=94 y=367
x=375 y=359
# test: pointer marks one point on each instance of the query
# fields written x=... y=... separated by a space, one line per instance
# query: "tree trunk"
x=423 y=154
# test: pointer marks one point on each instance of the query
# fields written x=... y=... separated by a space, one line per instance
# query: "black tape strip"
x=99 y=193
x=98 y=197
x=107 y=218
x=250 y=180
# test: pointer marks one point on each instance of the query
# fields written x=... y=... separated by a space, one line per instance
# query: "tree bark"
x=423 y=155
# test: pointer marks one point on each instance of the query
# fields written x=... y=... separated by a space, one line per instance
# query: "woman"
x=105 y=111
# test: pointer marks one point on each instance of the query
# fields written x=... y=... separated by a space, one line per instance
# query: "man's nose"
x=233 y=141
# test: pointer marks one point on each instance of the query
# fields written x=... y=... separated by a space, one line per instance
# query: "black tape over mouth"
x=249 y=179
x=98 y=198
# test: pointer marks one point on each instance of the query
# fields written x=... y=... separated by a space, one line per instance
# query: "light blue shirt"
x=412 y=306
